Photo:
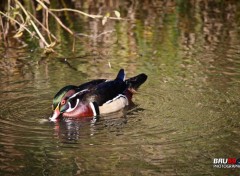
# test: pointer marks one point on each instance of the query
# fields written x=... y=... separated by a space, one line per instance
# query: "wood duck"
x=96 y=97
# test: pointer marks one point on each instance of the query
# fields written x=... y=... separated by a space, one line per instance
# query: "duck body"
x=100 y=96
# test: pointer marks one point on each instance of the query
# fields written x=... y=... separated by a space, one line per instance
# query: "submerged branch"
x=96 y=36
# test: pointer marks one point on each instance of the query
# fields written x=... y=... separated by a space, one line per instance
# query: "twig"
x=58 y=20
x=94 y=36
x=86 y=14
x=47 y=26
x=21 y=25
x=39 y=33
x=33 y=24
x=1 y=22
x=47 y=30
x=73 y=45
x=7 y=23
x=77 y=11
x=105 y=32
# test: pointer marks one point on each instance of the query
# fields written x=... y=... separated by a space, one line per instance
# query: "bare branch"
x=33 y=24
x=20 y=24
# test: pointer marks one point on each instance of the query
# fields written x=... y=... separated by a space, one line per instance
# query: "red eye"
x=63 y=102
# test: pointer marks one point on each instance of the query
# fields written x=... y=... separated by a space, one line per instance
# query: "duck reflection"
x=73 y=130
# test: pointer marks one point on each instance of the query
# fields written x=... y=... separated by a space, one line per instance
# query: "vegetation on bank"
x=32 y=18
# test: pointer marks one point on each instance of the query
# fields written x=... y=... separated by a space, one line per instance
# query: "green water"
x=186 y=114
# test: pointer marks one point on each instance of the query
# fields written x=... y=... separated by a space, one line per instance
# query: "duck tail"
x=136 y=81
x=121 y=75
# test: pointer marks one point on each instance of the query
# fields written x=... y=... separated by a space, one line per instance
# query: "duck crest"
x=96 y=97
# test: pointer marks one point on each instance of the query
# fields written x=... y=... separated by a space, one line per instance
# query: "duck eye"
x=63 y=102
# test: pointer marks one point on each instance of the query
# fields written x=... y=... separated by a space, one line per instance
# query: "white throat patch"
x=70 y=108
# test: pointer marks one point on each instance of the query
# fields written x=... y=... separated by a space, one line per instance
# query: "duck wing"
x=102 y=90
x=105 y=91
x=90 y=84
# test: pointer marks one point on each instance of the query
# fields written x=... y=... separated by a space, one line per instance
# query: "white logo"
x=226 y=163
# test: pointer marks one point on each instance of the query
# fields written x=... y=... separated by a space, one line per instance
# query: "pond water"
x=186 y=114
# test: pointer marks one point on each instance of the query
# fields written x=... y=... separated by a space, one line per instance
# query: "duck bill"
x=56 y=114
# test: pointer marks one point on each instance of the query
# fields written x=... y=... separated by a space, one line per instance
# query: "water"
x=186 y=114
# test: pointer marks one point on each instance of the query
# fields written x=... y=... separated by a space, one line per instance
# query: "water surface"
x=186 y=114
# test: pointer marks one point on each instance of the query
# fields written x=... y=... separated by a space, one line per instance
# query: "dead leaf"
x=107 y=14
x=39 y=7
x=18 y=34
x=117 y=13
x=104 y=20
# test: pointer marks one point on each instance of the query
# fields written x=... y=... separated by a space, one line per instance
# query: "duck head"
x=60 y=100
